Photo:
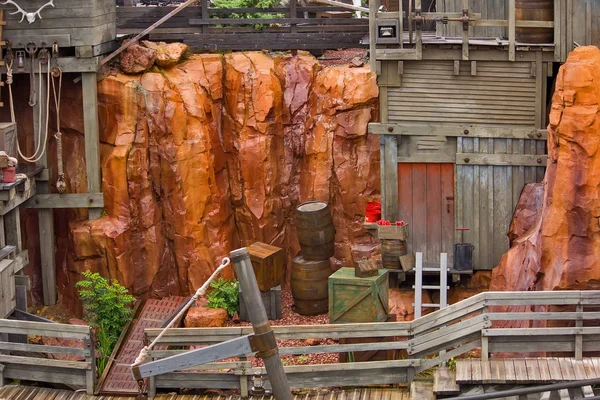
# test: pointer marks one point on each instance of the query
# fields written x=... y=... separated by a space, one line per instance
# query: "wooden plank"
x=555 y=370
x=590 y=371
x=68 y=200
x=486 y=371
x=579 y=369
x=509 y=371
x=405 y=201
x=533 y=369
x=35 y=348
x=566 y=368
x=43 y=362
x=476 y=371
x=463 y=370
x=92 y=137
x=544 y=370
x=419 y=217
x=433 y=207
x=520 y=370
x=458 y=130
x=448 y=211
x=511 y=30
x=498 y=374
x=420 y=390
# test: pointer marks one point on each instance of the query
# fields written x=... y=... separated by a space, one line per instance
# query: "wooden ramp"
x=526 y=370
x=16 y=392
x=154 y=313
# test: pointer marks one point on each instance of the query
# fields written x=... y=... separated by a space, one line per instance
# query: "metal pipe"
x=265 y=339
x=530 y=390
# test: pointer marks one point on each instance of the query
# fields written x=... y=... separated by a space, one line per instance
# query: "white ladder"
x=419 y=287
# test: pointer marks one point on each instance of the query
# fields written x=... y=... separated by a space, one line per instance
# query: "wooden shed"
x=463 y=114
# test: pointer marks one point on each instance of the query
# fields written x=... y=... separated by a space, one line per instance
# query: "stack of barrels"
x=311 y=269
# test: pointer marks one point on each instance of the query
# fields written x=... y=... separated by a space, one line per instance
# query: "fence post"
x=485 y=344
x=265 y=337
x=1 y=375
x=418 y=285
x=90 y=358
x=294 y=15
x=579 y=336
x=204 y=9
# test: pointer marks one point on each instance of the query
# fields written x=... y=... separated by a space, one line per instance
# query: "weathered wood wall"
x=69 y=23
x=585 y=17
x=489 y=9
x=7 y=286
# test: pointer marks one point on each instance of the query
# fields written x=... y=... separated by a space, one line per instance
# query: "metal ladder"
x=419 y=287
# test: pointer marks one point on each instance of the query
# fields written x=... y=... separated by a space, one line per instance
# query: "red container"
x=373 y=205
x=9 y=174
x=373 y=216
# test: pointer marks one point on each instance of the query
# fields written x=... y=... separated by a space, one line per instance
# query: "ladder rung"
x=432 y=287
x=430 y=305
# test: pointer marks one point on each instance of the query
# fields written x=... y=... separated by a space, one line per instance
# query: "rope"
x=36 y=157
x=61 y=186
x=145 y=352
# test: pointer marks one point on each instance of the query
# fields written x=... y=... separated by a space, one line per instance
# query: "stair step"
x=444 y=382
x=587 y=391
x=420 y=390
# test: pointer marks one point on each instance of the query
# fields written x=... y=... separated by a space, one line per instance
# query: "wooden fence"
x=31 y=362
x=475 y=323
x=278 y=28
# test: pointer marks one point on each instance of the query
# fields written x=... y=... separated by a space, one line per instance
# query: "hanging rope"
x=41 y=144
x=61 y=185
x=145 y=352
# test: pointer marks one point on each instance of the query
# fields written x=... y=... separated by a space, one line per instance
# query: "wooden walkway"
x=526 y=370
x=16 y=392
x=119 y=379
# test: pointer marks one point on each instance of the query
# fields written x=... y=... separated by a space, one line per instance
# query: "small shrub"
x=224 y=294
x=106 y=303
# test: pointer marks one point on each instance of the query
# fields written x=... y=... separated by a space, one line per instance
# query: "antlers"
x=24 y=14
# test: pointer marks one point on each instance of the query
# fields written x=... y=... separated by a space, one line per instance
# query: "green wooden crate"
x=353 y=299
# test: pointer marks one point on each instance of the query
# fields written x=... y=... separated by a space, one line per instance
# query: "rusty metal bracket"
x=465 y=19
x=418 y=19
x=264 y=344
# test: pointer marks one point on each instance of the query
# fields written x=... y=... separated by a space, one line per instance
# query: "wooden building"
x=464 y=110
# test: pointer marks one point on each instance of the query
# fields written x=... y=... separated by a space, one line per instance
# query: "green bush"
x=248 y=4
x=107 y=304
x=224 y=294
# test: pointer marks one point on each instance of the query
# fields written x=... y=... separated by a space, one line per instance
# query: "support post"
x=205 y=16
x=46 y=217
x=92 y=136
x=260 y=324
x=579 y=336
x=294 y=15
x=1 y=375
x=373 y=5
x=418 y=285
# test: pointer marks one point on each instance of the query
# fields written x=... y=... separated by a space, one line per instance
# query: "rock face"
x=213 y=154
x=204 y=317
x=527 y=211
x=137 y=59
x=560 y=250
x=167 y=54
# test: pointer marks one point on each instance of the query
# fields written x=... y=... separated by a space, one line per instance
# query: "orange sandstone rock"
x=204 y=317
x=560 y=251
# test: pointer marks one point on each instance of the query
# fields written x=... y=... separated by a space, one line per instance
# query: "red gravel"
x=289 y=317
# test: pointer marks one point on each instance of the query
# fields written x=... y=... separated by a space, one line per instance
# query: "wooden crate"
x=272 y=301
x=268 y=263
x=354 y=299
x=70 y=23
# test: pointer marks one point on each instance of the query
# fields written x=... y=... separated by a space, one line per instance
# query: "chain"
x=31 y=51
x=141 y=390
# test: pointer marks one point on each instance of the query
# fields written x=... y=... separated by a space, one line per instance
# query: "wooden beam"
x=74 y=200
x=67 y=64
x=530 y=160
x=430 y=53
x=458 y=130
x=92 y=137
x=511 y=30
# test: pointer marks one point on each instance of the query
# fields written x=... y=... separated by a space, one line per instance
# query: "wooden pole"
x=92 y=137
x=260 y=324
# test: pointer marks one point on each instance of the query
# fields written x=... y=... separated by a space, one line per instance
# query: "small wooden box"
x=365 y=268
x=354 y=299
x=392 y=232
x=268 y=263
x=272 y=301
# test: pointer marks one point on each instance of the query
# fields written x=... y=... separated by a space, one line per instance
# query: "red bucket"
x=9 y=174
x=373 y=216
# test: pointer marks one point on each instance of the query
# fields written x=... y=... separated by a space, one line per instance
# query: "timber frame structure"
x=463 y=116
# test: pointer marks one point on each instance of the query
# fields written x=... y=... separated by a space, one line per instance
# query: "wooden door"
x=426 y=203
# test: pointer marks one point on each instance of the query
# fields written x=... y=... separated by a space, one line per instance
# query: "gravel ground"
x=289 y=317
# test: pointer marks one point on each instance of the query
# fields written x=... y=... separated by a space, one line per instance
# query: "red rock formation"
x=204 y=317
x=211 y=154
x=560 y=251
x=527 y=211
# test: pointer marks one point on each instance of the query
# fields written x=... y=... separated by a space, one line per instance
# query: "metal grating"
x=154 y=313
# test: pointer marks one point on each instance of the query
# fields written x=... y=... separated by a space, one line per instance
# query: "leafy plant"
x=248 y=4
x=224 y=294
x=107 y=306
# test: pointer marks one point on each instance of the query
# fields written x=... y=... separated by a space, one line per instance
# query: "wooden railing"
x=474 y=323
x=31 y=362
x=281 y=28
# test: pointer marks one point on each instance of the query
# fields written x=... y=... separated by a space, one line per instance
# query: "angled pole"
x=263 y=334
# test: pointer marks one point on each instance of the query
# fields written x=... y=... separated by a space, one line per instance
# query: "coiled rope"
x=145 y=352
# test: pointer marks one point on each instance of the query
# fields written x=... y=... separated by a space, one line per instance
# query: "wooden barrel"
x=534 y=10
x=309 y=286
x=316 y=233
x=391 y=250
